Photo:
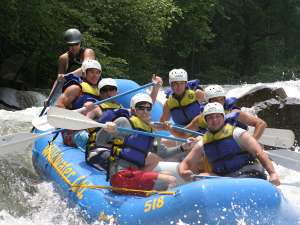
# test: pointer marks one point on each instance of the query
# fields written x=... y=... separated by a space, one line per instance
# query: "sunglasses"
x=147 y=108
x=108 y=88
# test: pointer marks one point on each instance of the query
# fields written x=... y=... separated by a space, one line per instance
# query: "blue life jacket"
x=89 y=94
x=230 y=104
x=233 y=119
x=135 y=147
x=223 y=152
x=71 y=79
x=183 y=111
x=112 y=114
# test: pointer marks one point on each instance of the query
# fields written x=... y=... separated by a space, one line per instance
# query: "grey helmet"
x=72 y=36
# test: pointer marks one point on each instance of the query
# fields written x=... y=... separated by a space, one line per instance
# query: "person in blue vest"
x=184 y=103
x=127 y=157
x=215 y=93
x=230 y=151
x=80 y=94
x=111 y=110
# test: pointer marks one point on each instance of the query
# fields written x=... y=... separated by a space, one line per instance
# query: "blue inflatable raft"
x=207 y=201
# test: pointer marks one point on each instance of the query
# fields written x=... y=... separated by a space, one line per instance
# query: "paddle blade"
x=41 y=123
x=15 y=142
x=286 y=158
x=68 y=119
x=280 y=138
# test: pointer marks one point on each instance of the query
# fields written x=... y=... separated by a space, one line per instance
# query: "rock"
x=16 y=100
x=273 y=106
x=281 y=114
x=260 y=94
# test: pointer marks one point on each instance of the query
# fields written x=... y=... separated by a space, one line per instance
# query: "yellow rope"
x=124 y=189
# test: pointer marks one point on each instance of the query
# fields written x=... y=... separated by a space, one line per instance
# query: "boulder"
x=273 y=106
x=281 y=114
x=16 y=100
x=260 y=94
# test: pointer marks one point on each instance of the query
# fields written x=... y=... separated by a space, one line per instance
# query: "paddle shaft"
x=68 y=119
x=282 y=138
x=122 y=129
x=123 y=94
x=53 y=92
x=16 y=142
x=117 y=96
x=41 y=123
x=187 y=131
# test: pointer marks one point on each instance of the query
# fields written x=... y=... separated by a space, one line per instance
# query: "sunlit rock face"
x=273 y=106
x=259 y=94
x=283 y=114
x=11 y=99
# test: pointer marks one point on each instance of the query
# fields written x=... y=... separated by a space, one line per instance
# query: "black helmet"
x=72 y=36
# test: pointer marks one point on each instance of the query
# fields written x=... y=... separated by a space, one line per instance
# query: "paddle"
x=288 y=159
x=41 y=123
x=50 y=100
x=280 y=138
x=14 y=142
x=72 y=120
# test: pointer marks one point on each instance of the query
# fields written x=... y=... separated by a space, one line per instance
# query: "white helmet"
x=213 y=107
x=177 y=75
x=213 y=91
x=140 y=97
x=90 y=64
x=107 y=82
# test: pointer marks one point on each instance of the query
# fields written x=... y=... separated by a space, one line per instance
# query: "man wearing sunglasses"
x=127 y=157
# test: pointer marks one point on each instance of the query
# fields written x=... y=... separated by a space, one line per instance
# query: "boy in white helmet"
x=230 y=151
x=127 y=157
x=184 y=104
x=77 y=94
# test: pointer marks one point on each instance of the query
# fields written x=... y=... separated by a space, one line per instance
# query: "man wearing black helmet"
x=71 y=60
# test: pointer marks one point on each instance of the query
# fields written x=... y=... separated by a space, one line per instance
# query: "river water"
x=26 y=199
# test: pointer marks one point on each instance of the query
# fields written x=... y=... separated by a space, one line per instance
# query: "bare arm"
x=199 y=95
x=165 y=114
x=62 y=63
x=193 y=125
x=192 y=162
x=256 y=122
x=70 y=94
x=254 y=148
x=155 y=89
x=88 y=54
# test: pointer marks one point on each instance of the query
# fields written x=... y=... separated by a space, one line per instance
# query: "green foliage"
x=216 y=41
